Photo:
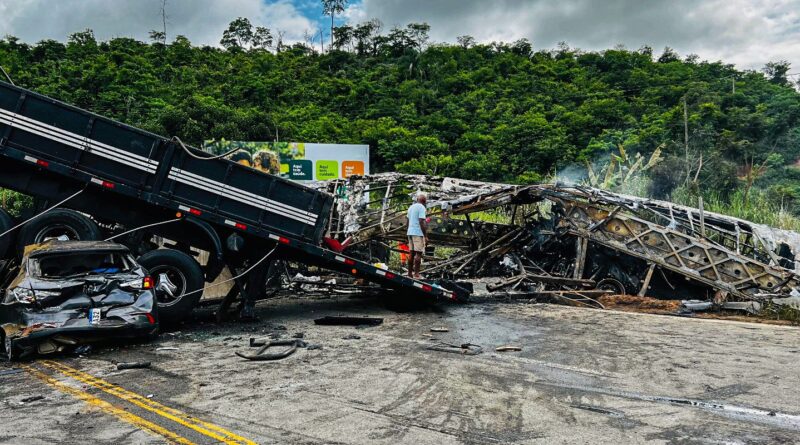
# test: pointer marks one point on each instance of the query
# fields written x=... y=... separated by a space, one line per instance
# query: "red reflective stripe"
x=349 y=262
x=389 y=275
x=283 y=240
x=426 y=288
x=42 y=163
x=150 y=318
x=108 y=185
x=195 y=212
x=240 y=226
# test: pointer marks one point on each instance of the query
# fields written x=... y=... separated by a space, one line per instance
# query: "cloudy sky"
x=747 y=33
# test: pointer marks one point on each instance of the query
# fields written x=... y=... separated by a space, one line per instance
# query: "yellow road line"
x=208 y=429
x=109 y=408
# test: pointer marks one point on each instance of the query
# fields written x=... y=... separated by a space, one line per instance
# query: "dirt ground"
x=649 y=305
x=583 y=376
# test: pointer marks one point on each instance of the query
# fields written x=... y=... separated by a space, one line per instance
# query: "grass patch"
x=757 y=207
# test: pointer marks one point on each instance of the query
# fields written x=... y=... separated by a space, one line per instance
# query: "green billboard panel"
x=327 y=170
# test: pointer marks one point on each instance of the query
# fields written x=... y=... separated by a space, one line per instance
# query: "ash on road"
x=583 y=376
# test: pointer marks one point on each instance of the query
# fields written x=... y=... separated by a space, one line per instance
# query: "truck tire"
x=55 y=223
x=6 y=241
x=175 y=274
x=613 y=285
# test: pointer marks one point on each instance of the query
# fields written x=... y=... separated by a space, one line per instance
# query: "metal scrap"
x=348 y=321
x=132 y=365
x=265 y=345
x=464 y=349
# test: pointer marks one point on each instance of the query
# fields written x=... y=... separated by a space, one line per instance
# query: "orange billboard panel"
x=350 y=168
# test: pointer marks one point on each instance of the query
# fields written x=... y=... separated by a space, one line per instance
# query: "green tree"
x=331 y=8
x=262 y=38
x=238 y=34
x=776 y=72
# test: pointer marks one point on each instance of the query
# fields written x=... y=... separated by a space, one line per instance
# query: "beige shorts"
x=416 y=243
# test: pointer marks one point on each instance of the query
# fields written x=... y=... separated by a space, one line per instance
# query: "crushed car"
x=66 y=294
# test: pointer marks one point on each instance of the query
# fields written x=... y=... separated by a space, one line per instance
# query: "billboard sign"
x=297 y=161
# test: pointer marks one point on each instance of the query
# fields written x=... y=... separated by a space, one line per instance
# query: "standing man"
x=417 y=234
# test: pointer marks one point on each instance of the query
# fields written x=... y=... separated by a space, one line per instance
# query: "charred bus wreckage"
x=568 y=241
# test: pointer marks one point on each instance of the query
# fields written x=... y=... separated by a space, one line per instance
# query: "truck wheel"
x=6 y=223
x=273 y=282
x=175 y=274
x=58 y=223
x=613 y=285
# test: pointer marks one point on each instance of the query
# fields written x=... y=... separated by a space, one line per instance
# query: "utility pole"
x=164 y=18
x=685 y=127
x=686 y=139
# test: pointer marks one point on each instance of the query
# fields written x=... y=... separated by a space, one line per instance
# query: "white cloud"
x=747 y=33
x=202 y=21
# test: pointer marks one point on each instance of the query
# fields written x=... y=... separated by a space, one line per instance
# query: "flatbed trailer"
x=124 y=176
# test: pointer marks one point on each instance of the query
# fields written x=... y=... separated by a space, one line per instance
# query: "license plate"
x=94 y=316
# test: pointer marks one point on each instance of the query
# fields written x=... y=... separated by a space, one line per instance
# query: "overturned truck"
x=569 y=240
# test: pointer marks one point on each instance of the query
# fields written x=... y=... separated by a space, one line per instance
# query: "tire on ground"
x=6 y=241
x=613 y=285
x=162 y=260
x=79 y=227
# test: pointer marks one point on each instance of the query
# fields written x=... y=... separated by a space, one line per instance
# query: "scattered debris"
x=166 y=348
x=696 y=305
x=507 y=348
x=132 y=365
x=10 y=371
x=465 y=348
x=440 y=329
x=31 y=399
x=83 y=350
x=599 y=410
x=264 y=346
x=351 y=337
x=348 y=321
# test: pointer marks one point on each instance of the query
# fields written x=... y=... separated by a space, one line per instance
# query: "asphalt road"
x=583 y=376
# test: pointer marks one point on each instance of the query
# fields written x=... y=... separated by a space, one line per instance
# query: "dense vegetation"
x=499 y=112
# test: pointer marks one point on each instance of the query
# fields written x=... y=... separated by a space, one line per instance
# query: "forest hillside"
x=652 y=123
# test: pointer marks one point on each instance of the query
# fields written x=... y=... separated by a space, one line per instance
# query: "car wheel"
x=178 y=282
x=58 y=223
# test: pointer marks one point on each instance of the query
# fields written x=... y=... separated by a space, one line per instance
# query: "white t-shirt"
x=415 y=212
